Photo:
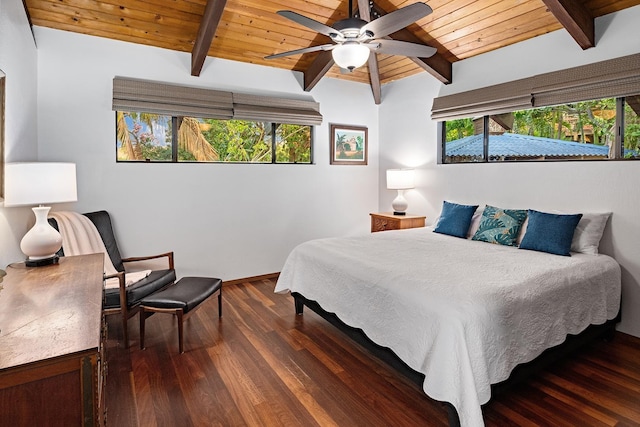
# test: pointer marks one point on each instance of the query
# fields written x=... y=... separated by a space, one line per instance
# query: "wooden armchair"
x=125 y=300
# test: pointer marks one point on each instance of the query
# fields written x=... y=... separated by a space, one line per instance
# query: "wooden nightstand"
x=389 y=221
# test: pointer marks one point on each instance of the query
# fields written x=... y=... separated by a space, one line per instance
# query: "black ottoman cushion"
x=158 y=279
x=187 y=293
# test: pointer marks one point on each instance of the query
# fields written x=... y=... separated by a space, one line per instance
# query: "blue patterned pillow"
x=455 y=219
x=550 y=233
x=500 y=226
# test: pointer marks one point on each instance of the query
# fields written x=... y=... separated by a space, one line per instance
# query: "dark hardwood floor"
x=261 y=365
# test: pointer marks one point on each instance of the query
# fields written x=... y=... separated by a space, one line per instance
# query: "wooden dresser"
x=389 y=221
x=52 y=344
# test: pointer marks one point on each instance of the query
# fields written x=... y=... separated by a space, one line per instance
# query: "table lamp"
x=400 y=179
x=39 y=184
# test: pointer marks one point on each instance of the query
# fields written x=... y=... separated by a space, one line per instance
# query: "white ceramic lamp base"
x=41 y=243
x=399 y=204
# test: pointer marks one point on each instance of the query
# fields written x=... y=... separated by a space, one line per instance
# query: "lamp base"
x=43 y=241
x=42 y=262
x=399 y=204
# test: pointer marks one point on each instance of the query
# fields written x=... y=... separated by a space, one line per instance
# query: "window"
x=162 y=122
x=581 y=113
x=631 y=127
x=586 y=130
x=148 y=137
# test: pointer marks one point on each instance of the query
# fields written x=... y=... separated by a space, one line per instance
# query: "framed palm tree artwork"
x=348 y=145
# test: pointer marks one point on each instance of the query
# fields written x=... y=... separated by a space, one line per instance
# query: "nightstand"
x=389 y=221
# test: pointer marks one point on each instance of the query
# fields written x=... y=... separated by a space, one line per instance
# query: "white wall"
x=18 y=61
x=223 y=220
x=408 y=137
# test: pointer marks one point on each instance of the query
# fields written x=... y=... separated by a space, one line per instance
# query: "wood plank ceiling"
x=249 y=30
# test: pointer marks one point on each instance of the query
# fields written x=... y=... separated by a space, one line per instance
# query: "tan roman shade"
x=606 y=79
x=172 y=100
x=277 y=110
x=501 y=98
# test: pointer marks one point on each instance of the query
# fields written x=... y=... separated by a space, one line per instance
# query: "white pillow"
x=586 y=238
x=475 y=222
x=523 y=230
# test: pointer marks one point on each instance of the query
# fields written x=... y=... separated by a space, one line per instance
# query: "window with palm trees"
x=147 y=137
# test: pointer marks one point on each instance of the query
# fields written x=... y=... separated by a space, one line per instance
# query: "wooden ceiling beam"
x=634 y=103
x=437 y=65
x=208 y=26
x=26 y=11
x=374 y=78
x=374 y=72
x=317 y=69
x=576 y=19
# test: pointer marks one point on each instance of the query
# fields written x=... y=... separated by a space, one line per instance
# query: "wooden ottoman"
x=181 y=299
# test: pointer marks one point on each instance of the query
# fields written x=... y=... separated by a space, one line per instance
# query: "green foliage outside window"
x=293 y=144
x=239 y=140
x=632 y=129
x=458 y=129
x=149 y=137
x=586 y=122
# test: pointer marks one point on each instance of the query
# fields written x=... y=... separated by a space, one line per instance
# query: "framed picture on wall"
x=348 y=145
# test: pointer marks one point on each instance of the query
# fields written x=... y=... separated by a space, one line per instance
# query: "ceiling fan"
x=353 y=38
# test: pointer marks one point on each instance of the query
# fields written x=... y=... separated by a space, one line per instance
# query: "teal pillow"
x=455 y=219
x=550 y=233
x=500 y=226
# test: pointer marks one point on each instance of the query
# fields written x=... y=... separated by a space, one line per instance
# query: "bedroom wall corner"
x=18 y=60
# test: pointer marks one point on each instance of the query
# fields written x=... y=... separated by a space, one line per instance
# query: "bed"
x=463 y=313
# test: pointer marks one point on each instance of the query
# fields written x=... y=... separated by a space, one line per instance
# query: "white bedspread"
x=462 y=312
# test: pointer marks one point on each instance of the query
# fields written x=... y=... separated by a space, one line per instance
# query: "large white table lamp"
x=28 y=184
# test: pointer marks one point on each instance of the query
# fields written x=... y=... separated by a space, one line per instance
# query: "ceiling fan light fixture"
x=350 y=55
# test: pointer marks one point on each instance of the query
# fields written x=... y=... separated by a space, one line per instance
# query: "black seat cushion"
x=155 y=281
x=186 y=294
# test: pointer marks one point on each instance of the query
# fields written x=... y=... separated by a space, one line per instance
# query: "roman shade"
x=277 y=110
x=606 y=79
x=171 y=100
x=497 y=99
x=174 y=100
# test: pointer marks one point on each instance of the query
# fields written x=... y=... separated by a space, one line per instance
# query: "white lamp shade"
x=400 y=179
x=39 y=183
x=350 y=55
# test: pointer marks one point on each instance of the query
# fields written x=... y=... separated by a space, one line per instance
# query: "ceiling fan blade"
x=303 y=50
x=396 y=47
x=309 y=23
x=396 y=20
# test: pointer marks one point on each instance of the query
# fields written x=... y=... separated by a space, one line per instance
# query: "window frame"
x=174 y=145
x=618 y=142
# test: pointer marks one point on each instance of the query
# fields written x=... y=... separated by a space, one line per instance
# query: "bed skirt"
x=519 y=374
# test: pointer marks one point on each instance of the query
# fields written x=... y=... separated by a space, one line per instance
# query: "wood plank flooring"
x=261 y=365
